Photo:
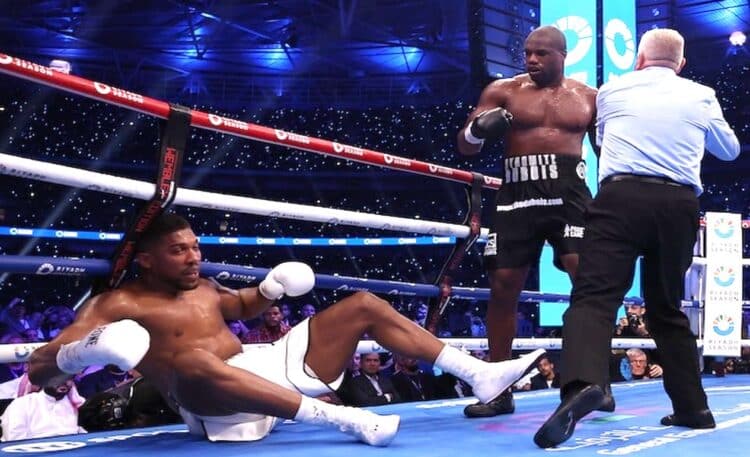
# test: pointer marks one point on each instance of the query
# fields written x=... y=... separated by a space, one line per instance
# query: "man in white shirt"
x=52 y=411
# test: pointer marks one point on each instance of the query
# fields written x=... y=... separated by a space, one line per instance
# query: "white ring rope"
x=16 y=353
x=89 y=180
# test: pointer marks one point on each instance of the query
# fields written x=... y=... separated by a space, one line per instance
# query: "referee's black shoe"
x=698 y=419
x=577 y=403
x=608 y=404
x=502 y=404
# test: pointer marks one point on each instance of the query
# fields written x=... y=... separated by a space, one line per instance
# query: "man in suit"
x=413 y=384
x=370 y=388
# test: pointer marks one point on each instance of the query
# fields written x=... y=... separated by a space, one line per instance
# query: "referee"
x=653 y=127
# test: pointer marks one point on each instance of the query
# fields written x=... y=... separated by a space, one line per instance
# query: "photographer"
x=633 y=325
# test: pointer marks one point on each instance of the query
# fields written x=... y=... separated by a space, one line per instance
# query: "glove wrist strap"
x=68 y=359
x=471 y=139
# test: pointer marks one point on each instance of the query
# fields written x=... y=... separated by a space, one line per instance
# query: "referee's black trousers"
x=627 y=219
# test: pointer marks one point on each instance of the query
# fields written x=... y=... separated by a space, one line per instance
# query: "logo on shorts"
x=536 y=167
x=573 y=231
x=581 y=170
x=491 y=247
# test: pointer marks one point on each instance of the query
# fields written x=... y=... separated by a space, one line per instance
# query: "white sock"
x=460 y=364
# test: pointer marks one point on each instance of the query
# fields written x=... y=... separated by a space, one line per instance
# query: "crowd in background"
x=48 y=126
x=38 y=125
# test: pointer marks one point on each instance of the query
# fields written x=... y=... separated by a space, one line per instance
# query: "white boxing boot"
x=368 y=427
x=488 y=380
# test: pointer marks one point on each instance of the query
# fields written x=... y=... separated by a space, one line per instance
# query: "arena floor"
x=438 y=429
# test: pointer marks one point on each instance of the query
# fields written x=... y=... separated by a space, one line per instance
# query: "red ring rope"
x=38 y=73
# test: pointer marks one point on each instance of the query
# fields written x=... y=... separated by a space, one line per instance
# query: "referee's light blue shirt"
x=652 y=122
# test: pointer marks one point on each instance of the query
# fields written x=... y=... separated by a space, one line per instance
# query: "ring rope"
x=102 y=92
x=89 y=180
x=40 y=265
x=236 y=240
x=17 y=353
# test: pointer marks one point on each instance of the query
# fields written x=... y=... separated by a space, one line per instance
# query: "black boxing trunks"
x=543 y=198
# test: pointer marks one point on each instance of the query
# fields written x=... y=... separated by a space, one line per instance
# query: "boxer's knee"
x=369 y=305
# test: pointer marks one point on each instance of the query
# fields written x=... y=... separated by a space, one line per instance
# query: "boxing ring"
x=633 y=429
x=438 y=429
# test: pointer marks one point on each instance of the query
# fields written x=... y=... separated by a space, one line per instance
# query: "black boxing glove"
x=489 y=125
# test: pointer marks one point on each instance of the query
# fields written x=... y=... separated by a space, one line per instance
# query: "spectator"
x=344 y=392
x=34 y=333
x=547 y=376
x=14 y=316
x=478 y=327
x=640 y=368
x=55 y=319
x=634 y=323
x=270 y=329
x=31 y=335
x=308 y=310
x=371 y=388
x=14 y=370
x=25 y=387
x=413 y=384
x=52 y=411
x=286 y=313
x=238 y=328
x=524 y=327
x=420 y=313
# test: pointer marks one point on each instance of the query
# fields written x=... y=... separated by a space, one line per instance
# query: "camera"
x=634 y=321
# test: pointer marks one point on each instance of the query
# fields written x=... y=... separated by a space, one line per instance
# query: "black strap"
x=444 y=280
x=173 y=142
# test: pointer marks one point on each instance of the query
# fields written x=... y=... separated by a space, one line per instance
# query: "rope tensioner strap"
x=173 y=142
x=444 y=281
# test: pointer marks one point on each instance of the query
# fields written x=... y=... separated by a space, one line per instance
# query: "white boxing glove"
x=122 y=343
x=288 y=278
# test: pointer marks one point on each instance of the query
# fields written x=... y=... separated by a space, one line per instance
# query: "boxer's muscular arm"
x=591 y=97
x=493 y=96
x=245 y=303
x=288 y=278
